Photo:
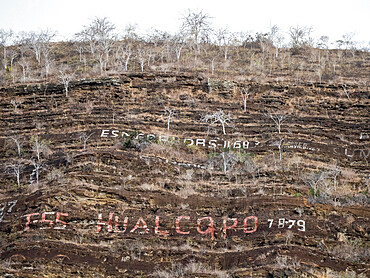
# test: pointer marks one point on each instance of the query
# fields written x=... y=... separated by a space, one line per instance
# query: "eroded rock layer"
x=110 y=186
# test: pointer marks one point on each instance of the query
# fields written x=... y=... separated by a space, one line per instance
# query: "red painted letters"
x=145 y=226
x=246 y=224
x=210 y=229
x=178 y=225
x=225 y=228
x=117 y=230
x=156 y=229
x=205 y=225
x=28 y=217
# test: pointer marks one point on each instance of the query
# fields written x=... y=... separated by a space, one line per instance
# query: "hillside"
x=106 y=189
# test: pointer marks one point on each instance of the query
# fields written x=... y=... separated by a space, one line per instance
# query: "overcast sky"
x=327 y=17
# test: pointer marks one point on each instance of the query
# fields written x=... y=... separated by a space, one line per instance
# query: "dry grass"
x=352 y=250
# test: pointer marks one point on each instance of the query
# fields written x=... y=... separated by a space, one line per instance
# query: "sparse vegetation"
x=223 y=129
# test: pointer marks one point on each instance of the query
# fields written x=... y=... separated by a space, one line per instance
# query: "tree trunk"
x=223 y=128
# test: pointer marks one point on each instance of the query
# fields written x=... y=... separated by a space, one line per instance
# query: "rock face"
x=106 y=190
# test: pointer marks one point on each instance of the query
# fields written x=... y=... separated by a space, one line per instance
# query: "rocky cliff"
x=132 y=176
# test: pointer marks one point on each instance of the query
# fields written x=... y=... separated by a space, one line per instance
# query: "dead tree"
x=178 y=43
x=101 y=38
x=225 y=161
x=37 y=165
x=16 y=169
x=228 y=161
x=276 y=38
x=212 y=65
x=313 y=180
x=65 y=78
x=197 y=25
x=219 y=116
x=335 y=172
x=39 y=147
x=18 y=142
x=35 y=44
x=319 y=183
x=224 y=39
x=5 y=39
x=299 y=36
x=38 y=42
x=245 y=94
x=278 y=120
x=16 y=103
x=80 y=47
x=84 y=138
x=347 y=43
x=47 y=61
x=124 y=55
x=280 y=147
x=141 y=56
x=169 y=113
x=345 y=90
x=23 y=62
x=12 y=53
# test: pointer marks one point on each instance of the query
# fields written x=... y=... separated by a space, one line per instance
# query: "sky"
x=331 y=18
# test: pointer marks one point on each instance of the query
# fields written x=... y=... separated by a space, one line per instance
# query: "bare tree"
x=169 y=113
x=229 y=160
x=178 y=43
x=80 y=47
x=276 y=38
x=101 y=38
x=225 y=161
x=245 y=94
x=219 y=116
x=323 y=42
x=345 y=90
x=47 y=60
x=16 y=168
x=16 y=102
x=65 y=78
x=319 y=71
x=23 y=62
x=141 y=56
x=39 y=147
x=212 y=60
x=197 y=25
x=347 y=42
x=319 y=183
x=18 y=142
x=84 y=138
x=278 y=120
x=130 y=32
x=299 y=36
x=280 y=147
x=82 y=50
x=313 y=180
x=32 y=41
x=334 y=172
x=224 y=39
x=38 y=41
x=13 y=54
x=124 y=54
x=5 y=39
x=37 y=165
x=279 y=143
